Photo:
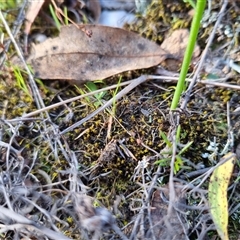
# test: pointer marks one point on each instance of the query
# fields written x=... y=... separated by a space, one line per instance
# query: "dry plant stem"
x=123 y=92
x=118 y=231
x=230 y=198
x=76 y=185
x=31 y=166
x=7 y=145
x=134 y=83
x=5 y=194
x=148 y=200
x=230 y=141
x=40 y=229
x=36 y=93
x=136 y=224
x=166 y=79
x=206 y=174
x=146 y=205
x=29 y=207
x=171 y=182
x=230 y=132
x=72 y=100
x=46 y=177
x=153 y=183
x=16 y=28
x=8 y=149
x=204 y=54
x=195 y=173
x=163 y=79
x=59 y=10
x=44 y=212
x=233 y=210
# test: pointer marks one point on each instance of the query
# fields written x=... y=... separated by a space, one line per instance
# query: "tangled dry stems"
x=35 y=203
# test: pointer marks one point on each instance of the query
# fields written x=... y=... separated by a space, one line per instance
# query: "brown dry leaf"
x=171 y=228
x=109 y=51
x=176 y=43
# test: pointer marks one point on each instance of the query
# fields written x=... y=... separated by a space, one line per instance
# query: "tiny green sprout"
x=164 y=137
x=92 y=86
x=66 y=15
x=178 y=164
x=178 y=134
x=185 y=148
x=20 y=81
x=191 y=2
x=82 y=92
x=55 y=18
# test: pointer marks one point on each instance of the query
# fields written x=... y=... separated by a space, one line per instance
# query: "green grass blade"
x=55 y=18
x=185 y=148
x=164 y=137
x=189 y=52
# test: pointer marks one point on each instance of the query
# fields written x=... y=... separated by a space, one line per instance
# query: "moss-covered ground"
x=101 y=157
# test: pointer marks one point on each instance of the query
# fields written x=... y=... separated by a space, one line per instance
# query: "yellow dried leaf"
x=217 y=194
